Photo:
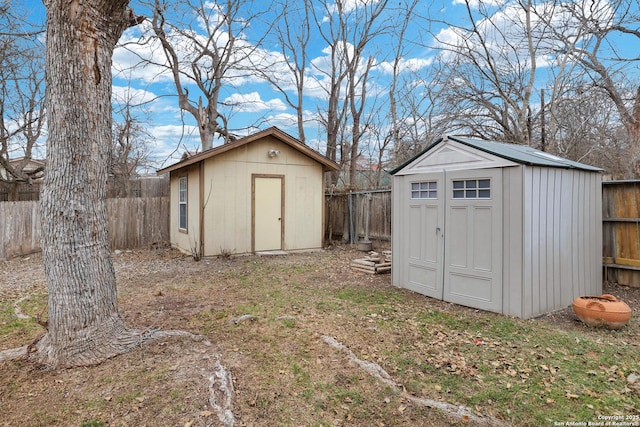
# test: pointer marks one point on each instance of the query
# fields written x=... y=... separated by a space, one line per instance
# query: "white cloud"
x=476 y=3
x=137 y=58
x=348 y=6
x=124 y=94
x=252 y=103
x=409 y=65
x=282 y=120
x=504 y=32
x=175 y=132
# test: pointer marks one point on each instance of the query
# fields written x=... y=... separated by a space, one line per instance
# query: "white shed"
x=263 y=192
x=498 y=227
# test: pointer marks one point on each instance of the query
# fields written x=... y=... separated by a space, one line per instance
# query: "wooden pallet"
x=374 y=263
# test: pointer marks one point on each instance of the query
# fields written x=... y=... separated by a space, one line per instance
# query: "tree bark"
x=84 y=326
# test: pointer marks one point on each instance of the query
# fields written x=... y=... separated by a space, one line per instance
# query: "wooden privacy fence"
x=132 y=223
x=621 y=231
x=19 y=228
x=353 y=216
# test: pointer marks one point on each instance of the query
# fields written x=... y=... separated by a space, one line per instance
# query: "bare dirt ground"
x=167 y=382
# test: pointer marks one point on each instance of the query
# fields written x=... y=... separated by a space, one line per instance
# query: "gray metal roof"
x=516 y=153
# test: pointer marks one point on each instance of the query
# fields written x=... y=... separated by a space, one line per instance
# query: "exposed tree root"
x=13 y=353
x=459 y=412
x=16 y=308
x=221 y=393
x=243 y=318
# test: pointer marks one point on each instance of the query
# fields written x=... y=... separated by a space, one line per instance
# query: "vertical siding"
x=562 y=238
x=513 y=233
x=527 y=281
x=398 y=270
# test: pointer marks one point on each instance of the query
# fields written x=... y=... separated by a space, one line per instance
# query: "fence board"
x=132 y=223
x=347 y=213
x=19 y=228
x=621 y=231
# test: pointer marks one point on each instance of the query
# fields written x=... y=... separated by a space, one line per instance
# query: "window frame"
x=471 y=189
x=429 y=189
x=183 y=189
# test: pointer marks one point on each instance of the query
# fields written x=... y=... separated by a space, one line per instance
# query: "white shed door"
x=424 y=237
x=267 y=213
x=473 y=239
x=454 y=241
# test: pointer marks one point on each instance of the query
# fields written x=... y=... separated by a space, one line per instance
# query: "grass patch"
x=530 y=374
x=525 y=372
x=16 y=331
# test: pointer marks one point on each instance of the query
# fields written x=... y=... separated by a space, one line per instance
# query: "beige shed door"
x=267 y=213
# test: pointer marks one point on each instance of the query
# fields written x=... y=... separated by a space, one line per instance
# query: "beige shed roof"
x=327 y=164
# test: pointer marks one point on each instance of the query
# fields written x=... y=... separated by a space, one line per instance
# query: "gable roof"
x=327 y=164
x=517 y=153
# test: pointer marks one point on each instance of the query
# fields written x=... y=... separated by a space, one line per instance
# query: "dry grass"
x=527 y=373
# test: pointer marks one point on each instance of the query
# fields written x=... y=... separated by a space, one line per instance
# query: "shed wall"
x=513 y=238
x=227 y=196
x=552 y=237
x=562 y=238
x=185 y=240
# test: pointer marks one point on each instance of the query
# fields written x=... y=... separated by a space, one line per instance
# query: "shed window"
x=472 y=189
x=182 y=202
x=424 y=190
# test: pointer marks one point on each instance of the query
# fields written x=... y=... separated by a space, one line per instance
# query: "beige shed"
x=499 y=227
x=263 y=192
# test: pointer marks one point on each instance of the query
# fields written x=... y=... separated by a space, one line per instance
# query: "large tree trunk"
x=84 y=326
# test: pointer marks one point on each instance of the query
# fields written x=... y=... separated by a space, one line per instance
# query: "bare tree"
x=206 y=49
x=21 y=97
x=592 y=35
x=348 y=29
x=84 y=325
x=332 y=76
x=130 y=148
x=292 y=35
x=584 y=126
x=489 y=69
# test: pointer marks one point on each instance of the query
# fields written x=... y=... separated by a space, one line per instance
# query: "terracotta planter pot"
x=605 y=310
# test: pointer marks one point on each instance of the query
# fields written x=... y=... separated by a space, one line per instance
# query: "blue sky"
x=252 y=103
x=256 y=104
